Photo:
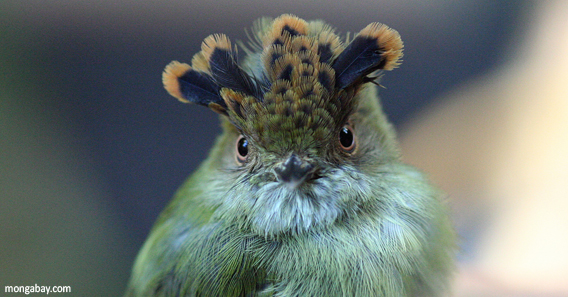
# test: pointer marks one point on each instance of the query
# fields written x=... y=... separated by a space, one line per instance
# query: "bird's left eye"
x=242 y=149
x=347 y=139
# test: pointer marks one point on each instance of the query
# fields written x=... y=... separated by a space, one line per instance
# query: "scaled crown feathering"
x=305 y=85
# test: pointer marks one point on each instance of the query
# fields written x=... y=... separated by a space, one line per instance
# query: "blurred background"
x=92 y=148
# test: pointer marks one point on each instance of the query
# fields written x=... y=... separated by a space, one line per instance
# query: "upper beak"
x=294 y=170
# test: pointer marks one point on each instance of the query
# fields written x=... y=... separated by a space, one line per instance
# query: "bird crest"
x=302 y=80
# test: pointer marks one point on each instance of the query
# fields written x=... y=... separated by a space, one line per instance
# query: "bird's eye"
x=347 y=139
x=242 y=149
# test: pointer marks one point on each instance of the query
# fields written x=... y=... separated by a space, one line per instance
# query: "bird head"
x=292 y=109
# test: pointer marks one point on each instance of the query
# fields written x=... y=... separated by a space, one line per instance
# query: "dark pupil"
x=346 y=137
x=242 y=147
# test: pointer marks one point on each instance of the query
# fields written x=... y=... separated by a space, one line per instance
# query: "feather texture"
x=189 y=85
x=375 y=47
x=223 y=65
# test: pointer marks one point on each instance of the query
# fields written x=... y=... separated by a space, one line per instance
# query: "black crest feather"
x=189 y=85
x=375 y=47
x=227 y=73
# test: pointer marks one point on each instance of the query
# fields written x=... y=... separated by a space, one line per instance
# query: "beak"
x=294 y=170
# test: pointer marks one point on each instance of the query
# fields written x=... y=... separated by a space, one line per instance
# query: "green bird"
x=304 y=193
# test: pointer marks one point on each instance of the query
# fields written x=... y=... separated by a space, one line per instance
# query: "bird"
x=304 y=193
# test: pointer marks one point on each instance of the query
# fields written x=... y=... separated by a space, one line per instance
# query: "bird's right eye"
x=242 y=149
